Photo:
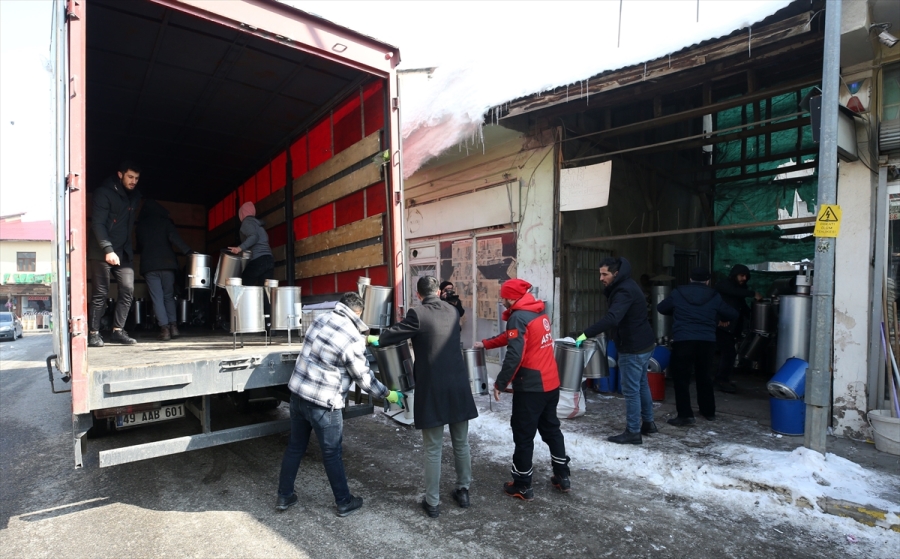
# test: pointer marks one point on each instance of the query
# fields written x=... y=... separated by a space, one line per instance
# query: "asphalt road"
x=218 y=502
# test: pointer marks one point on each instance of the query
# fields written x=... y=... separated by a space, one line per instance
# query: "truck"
x=222 y=102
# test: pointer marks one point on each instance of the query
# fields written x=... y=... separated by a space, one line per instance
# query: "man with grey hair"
x=333 y=357
x=443 y=394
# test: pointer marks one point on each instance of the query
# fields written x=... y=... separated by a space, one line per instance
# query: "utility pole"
x=818 y=376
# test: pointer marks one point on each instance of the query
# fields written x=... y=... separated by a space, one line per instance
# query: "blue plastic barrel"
x=789 y=383
x=788 y=416
x=659 y=359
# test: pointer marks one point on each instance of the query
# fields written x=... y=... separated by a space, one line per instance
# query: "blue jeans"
x=161 y=285
x=329 y=427
x=638 y=403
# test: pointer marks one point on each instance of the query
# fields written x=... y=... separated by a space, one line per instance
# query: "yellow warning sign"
x=828 y=223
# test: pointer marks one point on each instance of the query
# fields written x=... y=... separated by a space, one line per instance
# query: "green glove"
x=579 y=340
x=395 y=397
x=373 y=340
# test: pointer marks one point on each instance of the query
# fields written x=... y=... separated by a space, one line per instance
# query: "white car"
x=10 y=326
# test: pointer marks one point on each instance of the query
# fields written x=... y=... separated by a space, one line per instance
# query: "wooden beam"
x=344 y=186
x=226 y=228
x=367 y=147
x=748 y=176
x=270 y=202
x=806 y=220
x=341 y=262
x=278 y=253
x=344 y=235
x=747 y=162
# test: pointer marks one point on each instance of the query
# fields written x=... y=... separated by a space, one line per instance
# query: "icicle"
x=749 y=39
x=587 y=88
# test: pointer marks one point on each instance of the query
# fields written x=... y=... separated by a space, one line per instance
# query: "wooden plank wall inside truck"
x=222 y=102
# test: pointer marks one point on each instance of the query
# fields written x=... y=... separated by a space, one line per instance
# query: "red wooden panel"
x=305 y=289
x=279 y=172
x=229 y=211
x=211 y=219
x=346 y=281
x=373 y=106
x=301 y=227
x=347 y=123
x=278 y=235
x=247 y=191
x=263 y=183
x=321 y=219
x=220 y=212
x=322 y=285
x=298 y=158
x=378 y=275
x=376 y=200
x=320 y=143
x=350 y=208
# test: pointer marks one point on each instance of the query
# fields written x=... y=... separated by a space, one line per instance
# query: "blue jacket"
x=696 y=309
x=627 y=314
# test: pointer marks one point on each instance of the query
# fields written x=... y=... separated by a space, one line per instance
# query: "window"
x=26 y=261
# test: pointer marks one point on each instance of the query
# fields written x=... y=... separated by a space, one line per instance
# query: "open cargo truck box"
x=221 y=102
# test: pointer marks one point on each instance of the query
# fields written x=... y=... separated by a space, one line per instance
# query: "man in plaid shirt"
x=333 y=357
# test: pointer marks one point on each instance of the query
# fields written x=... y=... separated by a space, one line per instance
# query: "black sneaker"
x=461 y=496
x=648 y=428
x=681 y=421
x=561 y=483
x=626 y=437
x=710 y=417
x=513 y=489
x=283 y=503
x=122 y=337
x=94 y=340
x=351 y=507
x=433 y=511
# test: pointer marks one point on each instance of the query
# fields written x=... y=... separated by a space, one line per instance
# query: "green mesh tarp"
x=755 y=199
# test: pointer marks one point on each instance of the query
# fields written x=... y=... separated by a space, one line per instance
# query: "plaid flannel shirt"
x=333 y=357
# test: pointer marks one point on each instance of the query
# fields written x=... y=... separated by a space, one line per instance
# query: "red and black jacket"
x=529 y=364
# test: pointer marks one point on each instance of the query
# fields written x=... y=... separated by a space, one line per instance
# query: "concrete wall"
x=8 y=250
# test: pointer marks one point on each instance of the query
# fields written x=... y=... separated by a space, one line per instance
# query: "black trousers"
x=693 y=356
x=535 y=412
x=725 y=342
x=259 y=270
x=101 y=272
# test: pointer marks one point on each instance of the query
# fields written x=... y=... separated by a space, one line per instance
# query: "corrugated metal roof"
x=26 y=231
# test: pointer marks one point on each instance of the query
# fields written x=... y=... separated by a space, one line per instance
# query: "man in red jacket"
x=531 y=369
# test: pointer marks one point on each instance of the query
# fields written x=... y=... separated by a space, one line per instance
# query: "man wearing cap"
x=734 y=292
x=696 y=309
x=530 y=367
x=634 y=337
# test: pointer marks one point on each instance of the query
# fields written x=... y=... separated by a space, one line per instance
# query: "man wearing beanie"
x=734 y=292
x=634 y=337
x=530 y=367
x=696 y=309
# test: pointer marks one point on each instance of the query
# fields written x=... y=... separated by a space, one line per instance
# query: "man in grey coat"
x=443 y=394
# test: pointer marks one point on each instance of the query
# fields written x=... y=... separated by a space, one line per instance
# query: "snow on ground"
x=743 y=478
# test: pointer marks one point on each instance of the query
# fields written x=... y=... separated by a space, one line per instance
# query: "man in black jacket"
x=635 y=341
x=110 y=252
x=734 y=292
x=156 y=234
x=696 y=309
x=443 y=394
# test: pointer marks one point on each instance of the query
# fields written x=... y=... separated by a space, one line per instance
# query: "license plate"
x=150 y=416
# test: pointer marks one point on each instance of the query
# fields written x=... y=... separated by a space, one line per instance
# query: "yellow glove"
x=579 y=340
x=373 y=340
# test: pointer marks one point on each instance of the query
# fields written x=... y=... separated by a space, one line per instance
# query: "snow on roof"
x=26 y=231
x=567 y=47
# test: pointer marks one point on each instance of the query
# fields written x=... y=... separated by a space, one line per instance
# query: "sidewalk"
x=853 y=480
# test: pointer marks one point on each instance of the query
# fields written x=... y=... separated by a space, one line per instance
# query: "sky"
x=504 y=50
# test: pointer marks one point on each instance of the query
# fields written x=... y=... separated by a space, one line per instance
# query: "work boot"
x=561 y=482
x=173 y=330
x=283 y=503
x=461 y=496
x=519 y=491
x=122 y=337
x=648 y=428
x=627 y=437
x=94 y=340
x=164 y=333
x=351 y=507
x=433 y=511
x=726 y=386
x=681 y=421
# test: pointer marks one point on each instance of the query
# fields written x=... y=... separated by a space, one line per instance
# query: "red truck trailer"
x=223 y=102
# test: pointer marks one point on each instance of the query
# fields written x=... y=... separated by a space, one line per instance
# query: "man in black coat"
x=110 y=252
x=734 y=292
x=696 y=309
x=443 y=395
x=156 y=234
x=634 y=338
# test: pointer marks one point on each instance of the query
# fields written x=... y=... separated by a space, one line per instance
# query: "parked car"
x=10 y=326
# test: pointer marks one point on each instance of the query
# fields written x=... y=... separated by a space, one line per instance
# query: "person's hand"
x=235 y=250
x=478 y=345
x=395 y=397
x=112 y=259
x=723 y=324
x=496 y=393
x=372 y=340
x=580 y=340
x=757 y=296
